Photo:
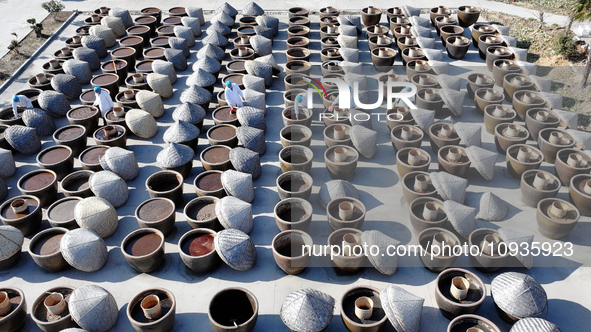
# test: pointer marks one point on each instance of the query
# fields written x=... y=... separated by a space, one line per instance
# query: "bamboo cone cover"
x=252 y=139
x=181 y=43
x=201 y=78
x=503 y=30
x=255 y=99
x=190 y=113
x=354 y=20
x=449 y=81
x=491 y=207
x=207 y=64
x=360 y=118
x=195 y=95
x=449 y=186
x=98 y=215
x=251 y=117
x=54 y=103
x=469 y=134
x=93 y=308
x=7 y=165
x=582 y=138
x=425 y=42
x=104 y=33
x=123 y=14
x=527 y=68
x=420 y=31
x=510 y=41
x=11 y=241
x=109 y=186
x=193 y=24
x=239 y=185
x=568 y=118
x=410 y=11
x=180 y=132
x=269 y=22
x=161 y=85
x=234 y=213
x=195 y=12
x=534 y=324
x=23 y=139
x=307 y=310
x=121 y=162
x=150 y=102
x=349 y=54
x=438 y=66
x=218 y=27
x=542 y=83
x=262 y=45
x=554 y=100
x=254 y=83
x=236 y=249
x=89 y=56
x=461 y=217
x=210 y=50
x=260 y=69
x=186 y=33
x=67 y=85
x=227 y=8
x=252 y=9
x=518 y=294
x=84 y=250
x=40 y=120
x=215 y=38
x=454 y=100
x=520 y=53
x=423 y=118
x=433 y=54
x=115 y=24
x=386 y=264
x=223 y=18
x=420 y=21
x=334 y=189
x=94 y=43
x=348 y=30
x=263 y=31
x=246 y=161
x=79 y=69
x=141 y=123
x=510 y=236
x=403 y=309
x=364 y=140
x=352 y=67
x=351 y=78
x=175 y=155
x=483 y=160
x=347 y=41
x=177 y=58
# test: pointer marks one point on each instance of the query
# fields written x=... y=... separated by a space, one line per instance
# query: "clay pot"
x=295 y=81
x=370 y=15
x=296 y=158
x=398 y=21
x=290 y=96
x=459 y=324
x=166 y=184
x=349 y=260
x=377 y=30
x=329 y=30
x=405 y=42
x=375 y=322
x=496 y=52
x=223 y=134
x=417 y=184
x=58 y=158
x=209 y=183
x=437 y=260
x=137 y=81
x=429 y=99
x=61 y=213
x=341 y=161
x=247 y=21
x=298 y=31
x=453 y=159
x=507 y=134
x=580 y=193
x=300 y=42
x=402 y=30
x=144 y=67
x=328 y=11
x=197 y=250
x=399 y=116
x=345 y=212
x=411 y=160
x=411 y=54
x=40 y=311
x=486 y=41
x=157 y=213
x=551 y=140
x=467 y=15
x=298 y=53
x=39 y=183
x=54 y=66
x=425 y=81
x=76 y=184
x=496 y=114
x=222 y=116
x=111 y=135
x=526 y=100
x=216 y=158
x=443 y=20
x=501 y=69
x=406 y=136
x=167 y=304
x=288 y=251
x=117 y=67
x=490 y=259
x=44 y=248
x=478 y=81
x=450 y=306
x=299 y=20
x=537 y=185
x=447 y=31
x=293 y=213
x=486 y=97
x=298 y=67
x=143 y=249
x=294 y=184
x=443 y=134
x=295 y=135
x=514 y=82
x=304 y=117
x=41 y=81
x=236 y=66
x=457 y=46
x=537 y=119
x=383 y=58
x=16 y=319
x=427 y=212
x=72 y=136
x=330 y=54
x=89 y=158
x=521 y=158
x=556 y=217
x=328 y=20
x=481 y=29
x=571 y=162
x=394 y=12
x=437 y=11
x=28 y=221
x=200 y=213
x=337 y=134
x=86 y=116
x=242 y=53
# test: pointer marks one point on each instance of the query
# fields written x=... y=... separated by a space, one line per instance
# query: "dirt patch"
x=558 y=7
x=14 y=59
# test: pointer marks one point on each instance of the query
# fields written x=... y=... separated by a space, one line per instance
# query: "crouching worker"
x=20 y=101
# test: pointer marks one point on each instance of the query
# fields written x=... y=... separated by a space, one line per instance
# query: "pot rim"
x=20 y=305
x=490 y=107
x=415 y=173
x=297 y=173
x=413 y=128
x=252 y=298
x=334 y=233
x=69 y=113
x=154 y=222
x=550 y=219
x=428 y=231
x=576 y=188
x=330 y=129
x=306 y=151
x=112 y=139
x=542 y=138
x=456 y=320
x=446 y=148
x=517 y=146
x=356 y=203
x=473 y=276
x=486 y=231
x=426 y=200
x=165 y=172
x=26 y=176
x=290 y=200
x=197 y=200
x=53 y=147
x=39 y=302
x=43 y=233
x=69 y=177
x=529 y=112
x=137 y=232
x=211 y=148
x=567 y=151
x=59 y=130
x=299 y=128
x=202 y=231
x=88 y=149
x=208 y=133
x=499 y=127
x=306 y=238
x=52 y=206
x=406 y=150
x=349 y=320
x=331 y=149
x=134 y=301
x=201 y=175
x=532 y=171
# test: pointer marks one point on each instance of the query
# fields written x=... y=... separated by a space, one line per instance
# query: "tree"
x=14 y=45
x=583 y=13
x=53 y=7
x=37 y=27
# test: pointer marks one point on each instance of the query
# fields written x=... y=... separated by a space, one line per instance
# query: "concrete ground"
x=378 y=182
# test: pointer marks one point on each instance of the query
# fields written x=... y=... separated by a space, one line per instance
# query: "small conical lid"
x=165 y=68
x=423 y=118
x=502 y=29
x=7 y=165
x=181 y=43
x=404 y=310
x=180 y=131
x=470 y=135
x=354 y=20
x=364 y=140
x=510 y=236
x=449 y=82
x=420 y=31
x=582 y=138
x=554 y=100
x=174 y=155
x=195 y=12
x=569 y=119
x=98 y=215
x=23 y=139
x=239 y=185
x=251 y=117
x=255 y=99
x=227 y=8
x=527 y=68
x=195 y=95
x=349 y=54
x=211 y=51
x=252 y=9
x=141 y=123
x=151 y=102
x=491 y=207
x=11 y=241
x=425 y=42
x=269 y=22
x=269 y=59
x=386 y=264
x=449 y=186
x=518 y=294
x=334 y=189
x=190 y=113
x=433 y=54
x=252 y=139
x=235 y=213
x=534 y=324
x=201 y=78
x=247 y=161
x=40 y=120
x=215 y=37
x=438 y=66
x=519 y=53
x=461 y=217
x=260 y=69
x=347 y=41
x=254 y=83
x=263 y=31
x=93 y=308
x=410 y=11
x=483 y=160
x=223 y=18
x=419 y=21
x=109 y=186
x=361 y=80
x=84 y=250
x=360 y=118
x=121 y=162
x=542 y=83
x=307 y=310
x=207 y=64
x=176 y=57
x=454 y=100
x=235 y=248
x=510 y=41
x=348 y=30
x=261 y=44
x=351 y=67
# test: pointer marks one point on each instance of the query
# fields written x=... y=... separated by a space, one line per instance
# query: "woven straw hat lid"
x=518 y=294
x=527 y=68
x=502 y=29
x=270 y=59
x=252 y=9
x=364 y=140
x=181 y=43
x=386 y=264
x=93 y=308
x=510 y=41
x=40 y=120
x=223 y=18
x=438 y=66
x=410 y=11
x=54 y=103
x=180 y=131
x=197 y=12
x=360 y=118
x=211 y=51
x=66 y=84
x=334 y=189
x=255 y=83
x=208 y=64
x=174 y=155
x=491 y=207
x=141 y=123
x=151 y=102
x=98 y=215
x=403 y=309
x=510 y=236
x=234 y=213
x=582 y=138
x=351 y=67
x=121 y=162
x=348 y=30
x=255 y=99
x=419 y=21
x=461 y=217
x=219 y=28
x=123 y=14
x=419 y=31
x=23 y=139
x=252 y=138
x=349 y=54
x=469 y=134
x=190 y=113
x=227 y=8
x=260 y=69
x=235 y=248
x=449 y=186
x=534 y=324
x=425 y=42
x=354 y=20
x=214 y=37
x=347 y=41
x=80 y=69
x=454 y=100
x=542 y=83
x=449 y=81
x=570 y=119
x=7 y=165
x=269 y=22
x=109 y=186
x=11 y=241
x=554 y=100
x=252 y=117
x=84 y=250
x=520 y=53
x=423 y=118
x=161 y=85
x=115 y=23
x=165 y=68
x=176 y=57
x=239 y=185
x=307 y=310
x=246 y=161
x=201 y=78
x=483 y=160
x=195 y=95
x=263 y=31
x=261 y=44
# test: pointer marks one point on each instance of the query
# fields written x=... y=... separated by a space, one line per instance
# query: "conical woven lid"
x=195 y=95
x=510 y=236
x=582 y=138
x=223 y=18
x=269 y=22
x=260 y=69
x=423 y=118
x=410 y=11
x=349 y=54
x=109 y=186
x=201 y=78
x=98 y=215
x=165 y=68
x=491 y=207
x=84 y=250
x=207 y=64
x=23 y=139
x=235 y=248
x=227 y=8
x=348 y=30
x=246 y=161
x=141 y=123
x=215 y=38
x=7 y=165
x=354 y=20
x=123 y=14
x=212 y=51
x=190 y=113
x=386 y=264
x=180 y=131
x=454 y=100
x=121 y=162
x=150 y=102
x=307 y=310
x=336 y=189
x=252 y=9
x=11 y=241
x=351 y=67
x=352 y=78
x=449 y=82
x=181 y=43
x=234 y=213
x=554 y=100
x=419 y=21
x=570 y=119
x=510 y=41
x=263 y=31
x=176 y=57
x=461 y=217
x=420 y=31
x=174 y=155
x=218 y=29
x=347 y=41
x=364 y=140
x=115 y=24
x=403 y=309
x=80 y=69
x=255 y=83
x=483 y=160
x=449 y=186
x=195 y=12
x=433 y=54
x=520 y=53
x=54 y=103
x=239 y=185
x=270 y=59
x=161 y=85
x=261 y=44
x=255 y=99
x=527 y=68
x=360 y=118
x=425 y=42
x=40 y=120
x=518 y=294
x=251 y=117
x=93 y=308
x=534 y=324
x=252 y=139
x=66 y=84
x=438 y=66
x=503 y=30
x=542 y=83
x=469 y=134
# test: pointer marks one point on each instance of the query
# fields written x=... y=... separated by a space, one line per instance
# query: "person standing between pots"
x=20 y=101
x=234 y=96
x=299 y=102
x=103 y=101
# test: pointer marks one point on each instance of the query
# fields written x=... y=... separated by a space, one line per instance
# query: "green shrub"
x=53 y=6
x=565 y=46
